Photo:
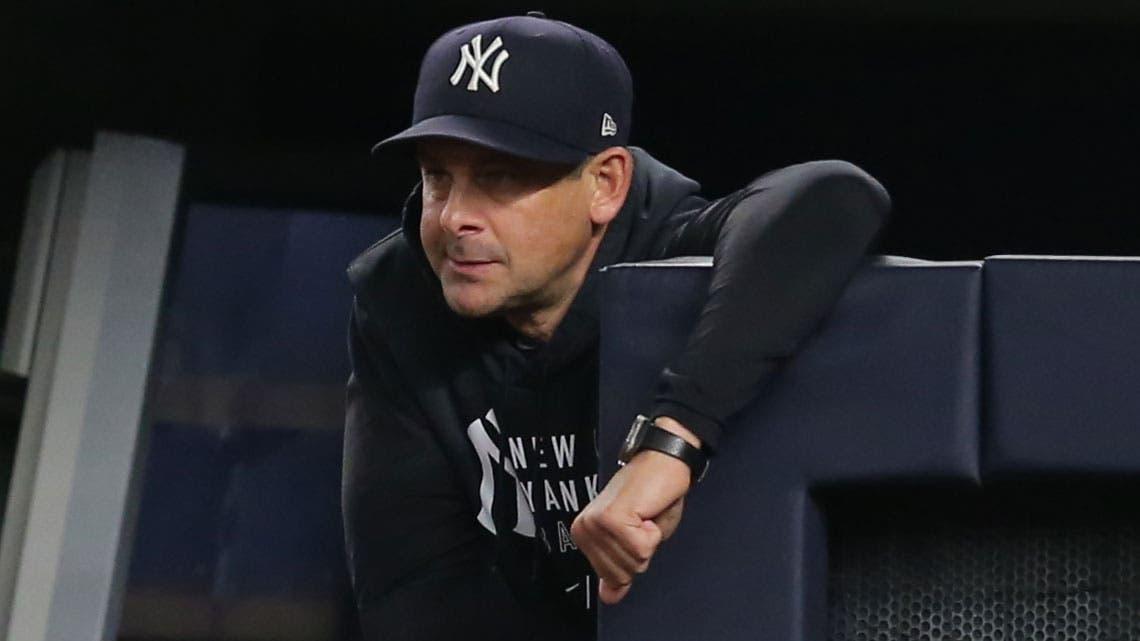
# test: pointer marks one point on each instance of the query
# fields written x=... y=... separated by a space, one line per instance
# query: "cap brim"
x=499 y=136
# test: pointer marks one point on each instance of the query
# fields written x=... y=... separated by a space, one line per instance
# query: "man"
x=471 y=503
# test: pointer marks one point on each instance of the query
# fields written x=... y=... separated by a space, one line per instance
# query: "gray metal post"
x=70 y=568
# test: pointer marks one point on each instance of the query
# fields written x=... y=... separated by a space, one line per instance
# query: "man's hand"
x=640 y=507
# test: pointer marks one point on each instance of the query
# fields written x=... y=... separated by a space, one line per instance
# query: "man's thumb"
x=653 y=532
x=668 y=520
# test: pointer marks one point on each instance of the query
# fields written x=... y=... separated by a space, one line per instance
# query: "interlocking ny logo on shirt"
x=473 y=56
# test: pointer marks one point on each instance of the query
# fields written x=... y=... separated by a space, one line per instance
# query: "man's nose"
x=461 y=214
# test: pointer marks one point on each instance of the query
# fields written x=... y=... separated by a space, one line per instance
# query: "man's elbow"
x=849 y=190
x=838 y=190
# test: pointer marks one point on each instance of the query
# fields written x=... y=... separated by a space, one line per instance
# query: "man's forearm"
x=785 y=249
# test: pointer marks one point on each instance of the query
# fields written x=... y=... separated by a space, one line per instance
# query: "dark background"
x=998 y=127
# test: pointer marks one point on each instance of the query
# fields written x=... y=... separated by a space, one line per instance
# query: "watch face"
x=633 y=439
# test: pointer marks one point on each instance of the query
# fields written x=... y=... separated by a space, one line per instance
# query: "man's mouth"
x=468 y=265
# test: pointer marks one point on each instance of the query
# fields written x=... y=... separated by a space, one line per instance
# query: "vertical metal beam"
x=71 y=557
x=44 y=201
x=65 y=173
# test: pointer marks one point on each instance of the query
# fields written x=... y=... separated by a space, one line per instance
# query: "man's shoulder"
x=375 y=267
x=392 y=281
x=657 y=195
x=661 y=187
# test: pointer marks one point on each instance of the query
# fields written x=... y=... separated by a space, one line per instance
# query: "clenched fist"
x=640 y=507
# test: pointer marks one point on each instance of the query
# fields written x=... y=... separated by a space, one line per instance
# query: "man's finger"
x=631 y=562
x=599 y=548
x=610 y=594
x=655 y=534
x=612 y=573
x=609 y=562
x=638 y=537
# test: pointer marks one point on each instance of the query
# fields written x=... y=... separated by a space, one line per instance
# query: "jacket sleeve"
x=421 y=567
x=783 y=249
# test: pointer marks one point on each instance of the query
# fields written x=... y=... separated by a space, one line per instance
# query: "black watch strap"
x=655 y=438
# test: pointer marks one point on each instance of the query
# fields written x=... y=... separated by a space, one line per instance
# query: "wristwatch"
x=644 y=434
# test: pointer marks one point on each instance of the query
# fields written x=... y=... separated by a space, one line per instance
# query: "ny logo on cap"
x=472 y=55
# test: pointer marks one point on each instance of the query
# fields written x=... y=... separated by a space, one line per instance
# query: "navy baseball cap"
x=526 y=85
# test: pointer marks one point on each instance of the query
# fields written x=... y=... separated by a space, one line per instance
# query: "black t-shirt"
x=544 y=426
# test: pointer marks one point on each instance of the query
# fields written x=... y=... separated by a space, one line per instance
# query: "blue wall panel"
x=240 y=502
x=1063 y=361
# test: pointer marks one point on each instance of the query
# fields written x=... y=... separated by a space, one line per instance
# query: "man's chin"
x=468 y=308
x=477 y=312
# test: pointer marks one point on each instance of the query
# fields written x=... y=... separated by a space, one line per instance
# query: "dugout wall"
x=953 y=455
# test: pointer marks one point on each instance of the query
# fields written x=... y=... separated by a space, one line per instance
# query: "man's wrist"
x=667 y=436
x=672 y=425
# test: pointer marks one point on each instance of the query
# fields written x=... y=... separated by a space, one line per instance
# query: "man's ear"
x=611 y=173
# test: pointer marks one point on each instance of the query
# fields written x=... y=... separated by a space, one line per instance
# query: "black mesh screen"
x=1037 y=563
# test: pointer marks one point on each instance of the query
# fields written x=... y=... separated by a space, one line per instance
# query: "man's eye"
x=434 y=184
x=434 y=177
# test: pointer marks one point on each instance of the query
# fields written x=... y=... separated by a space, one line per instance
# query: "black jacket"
x=468 y=450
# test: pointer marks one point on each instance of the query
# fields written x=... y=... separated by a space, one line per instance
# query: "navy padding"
x=1062 y=366
x=886 y=390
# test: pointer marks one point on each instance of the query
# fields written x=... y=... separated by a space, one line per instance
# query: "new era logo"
x=609 y=127
x=472 y=56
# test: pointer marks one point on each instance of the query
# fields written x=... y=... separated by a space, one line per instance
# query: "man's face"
x=503 y=234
